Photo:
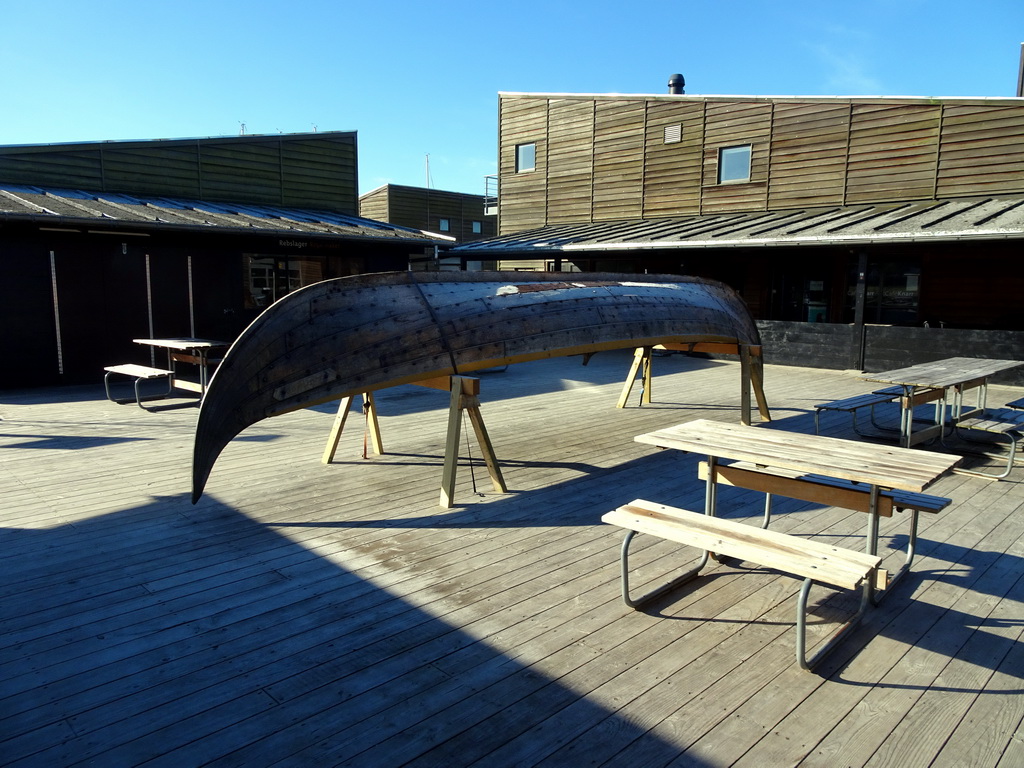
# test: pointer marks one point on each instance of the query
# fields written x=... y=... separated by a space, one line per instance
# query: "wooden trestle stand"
x=465 y=392
x=751 y=373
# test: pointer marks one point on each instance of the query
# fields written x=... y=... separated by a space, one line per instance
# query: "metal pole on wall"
x=858 y=310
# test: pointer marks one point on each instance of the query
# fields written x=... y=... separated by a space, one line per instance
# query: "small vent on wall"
x=673 y=133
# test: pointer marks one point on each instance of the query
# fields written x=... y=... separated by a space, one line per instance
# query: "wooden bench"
x=853 y=404
x=1008 y=422
x=831 y=492
x=139 y=373
x=810 y=560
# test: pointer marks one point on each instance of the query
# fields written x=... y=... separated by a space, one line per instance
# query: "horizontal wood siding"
x=374 y=205
x=729 y=124
x=253 y=174
x=423 y=208
x=308 y=171
x=618 y=160
x=523 y=197
x=320 y=173
x=672 y=176
x=570 y=160
x=982 y=149
x=805 y=154
x=893 y=152
x=127 y=170
x=69 y=169
x=808 y=155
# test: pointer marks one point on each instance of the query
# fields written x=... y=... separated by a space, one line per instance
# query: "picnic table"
x=862 y=476
x=795 y=465
x=933 y=382
x=189 y=350
x=179 y=350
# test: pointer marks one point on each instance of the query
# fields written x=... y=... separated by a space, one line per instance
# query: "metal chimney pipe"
x=676 y=84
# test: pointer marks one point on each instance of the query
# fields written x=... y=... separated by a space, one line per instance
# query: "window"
x=477 y=228
x=445 y=225
x=673 y=133
x=734 y=164
x=526 y=157
x=272 y=277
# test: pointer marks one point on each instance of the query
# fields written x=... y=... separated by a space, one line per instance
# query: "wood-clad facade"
x=842 y=211
x=295 y=170
x=606 y=158
x=109 y=241
x=452 y=214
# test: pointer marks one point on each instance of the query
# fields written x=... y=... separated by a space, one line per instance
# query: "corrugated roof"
x=929 y=220
x=77 y=208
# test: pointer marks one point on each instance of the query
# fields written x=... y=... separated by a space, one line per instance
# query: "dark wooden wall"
x=317 y=171
x=604 y=158
x=104 y=295
x=828 y=345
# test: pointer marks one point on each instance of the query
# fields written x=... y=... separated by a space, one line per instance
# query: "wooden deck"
x=304 y=614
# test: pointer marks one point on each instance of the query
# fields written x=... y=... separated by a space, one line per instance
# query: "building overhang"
x=975 y=219
x=82 y=211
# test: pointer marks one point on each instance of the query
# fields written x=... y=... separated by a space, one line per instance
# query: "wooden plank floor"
x=304 y=614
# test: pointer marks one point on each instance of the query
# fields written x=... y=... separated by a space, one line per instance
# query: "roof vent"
x=676 y=84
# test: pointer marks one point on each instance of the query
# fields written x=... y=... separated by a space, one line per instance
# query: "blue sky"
x=422 y=78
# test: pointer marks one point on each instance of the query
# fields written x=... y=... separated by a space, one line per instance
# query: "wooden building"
x=456 y=215
x=848 y=211
x=109 y=241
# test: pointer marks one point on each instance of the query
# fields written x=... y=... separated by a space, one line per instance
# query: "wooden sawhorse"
x=465 y=393
x=751 y=372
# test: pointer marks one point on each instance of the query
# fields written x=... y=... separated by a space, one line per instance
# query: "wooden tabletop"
x=882 y=465
x=183 y=343
x=943 y=373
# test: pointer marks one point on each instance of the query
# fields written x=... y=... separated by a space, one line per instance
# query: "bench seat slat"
x=824 y=563
x=997 y=420
x=857 y=401
x=138 y=371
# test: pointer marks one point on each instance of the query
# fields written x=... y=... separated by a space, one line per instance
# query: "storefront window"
x=892 y=295
x=269 y=278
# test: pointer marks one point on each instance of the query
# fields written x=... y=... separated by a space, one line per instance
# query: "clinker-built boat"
x=359 y=334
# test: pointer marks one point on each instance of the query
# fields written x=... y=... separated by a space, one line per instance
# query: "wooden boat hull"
x=358 y=334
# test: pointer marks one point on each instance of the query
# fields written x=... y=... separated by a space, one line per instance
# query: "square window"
x=526 y=157
x=734 y=164
x=445 y=225
x=477 y=227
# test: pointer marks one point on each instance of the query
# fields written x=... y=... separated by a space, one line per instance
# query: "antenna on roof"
x=1020 y=73
x=241 y=132
x=428 y=170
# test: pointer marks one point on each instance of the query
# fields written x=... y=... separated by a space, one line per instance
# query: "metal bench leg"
x=915 y=515
x=691 y=574
x=842 y=632
x=767 y=510
x=1014 y=439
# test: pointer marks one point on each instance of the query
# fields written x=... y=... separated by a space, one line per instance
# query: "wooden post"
x=373 y=427
x=745 y=384
x=641 y=358
x=757 y=380
x=464 y=397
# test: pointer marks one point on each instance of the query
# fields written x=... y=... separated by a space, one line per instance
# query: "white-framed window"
x=526 y=157
x=445 y=225
x=734 y=164
x=478 y=227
